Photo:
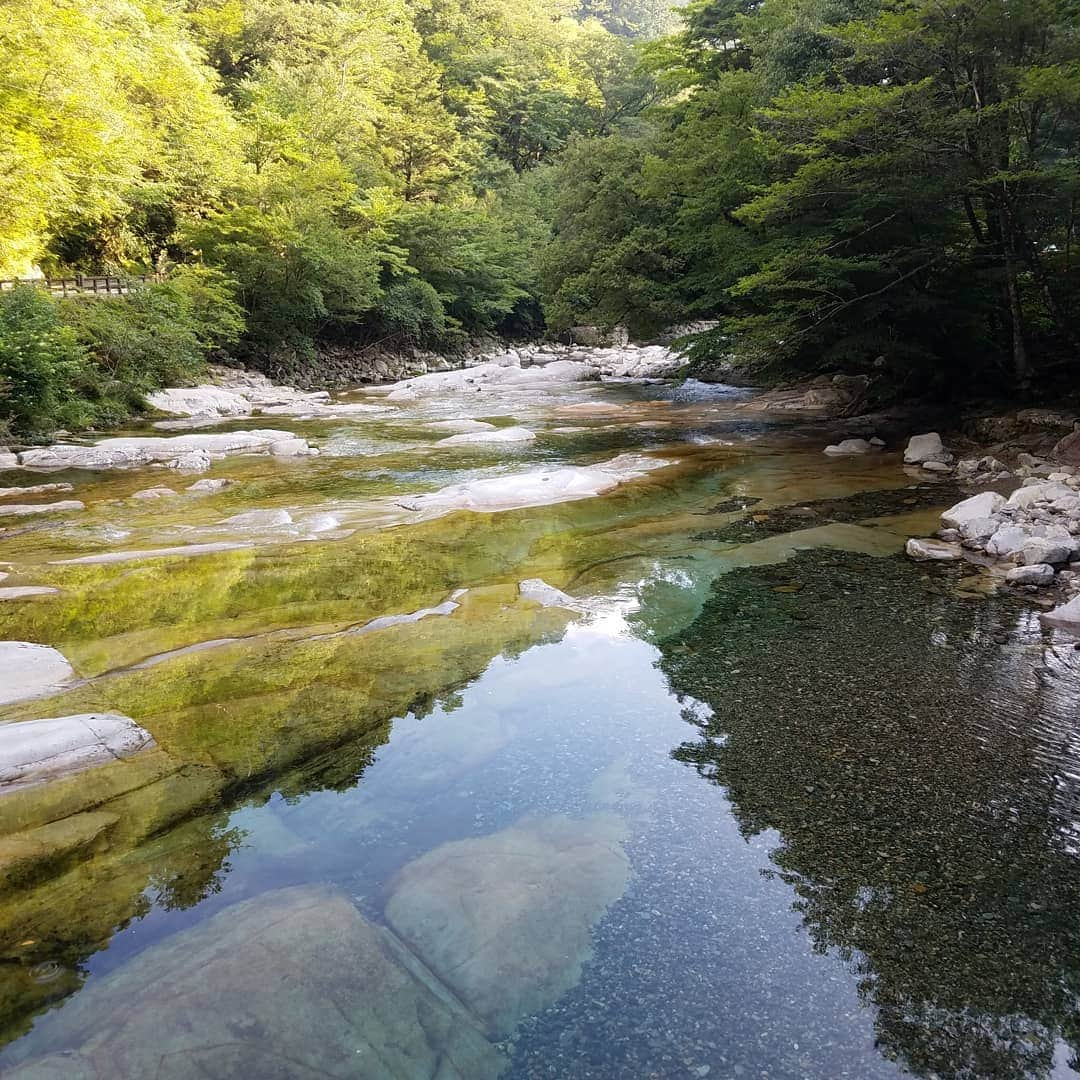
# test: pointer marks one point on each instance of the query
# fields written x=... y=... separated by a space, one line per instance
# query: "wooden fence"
x=83 y=286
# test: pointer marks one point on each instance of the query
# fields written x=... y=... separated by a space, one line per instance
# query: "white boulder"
x=25 y=592
x=200 y=401
x=149 y=494
x=923 y=448
x=1007 y=541
x=984 y=505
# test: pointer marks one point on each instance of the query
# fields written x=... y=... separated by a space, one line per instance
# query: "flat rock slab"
x=121 y=453
x=36 y=489
x=24 y=592
x=34 y=751
x=30 y=509
x=294 y=983
x=184 y=551
x=28 y=670
x=499 y=435
x=537 y=487
x=506 y=920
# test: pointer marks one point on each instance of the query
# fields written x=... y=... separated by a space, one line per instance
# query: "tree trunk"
x=1021 y=366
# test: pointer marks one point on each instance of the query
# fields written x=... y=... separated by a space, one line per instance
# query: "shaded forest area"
x=888 y=186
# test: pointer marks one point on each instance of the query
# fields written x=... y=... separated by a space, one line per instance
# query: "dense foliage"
x=886 y=185
x=841 y=184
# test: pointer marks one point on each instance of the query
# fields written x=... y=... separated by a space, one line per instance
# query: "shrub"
x=44 y=370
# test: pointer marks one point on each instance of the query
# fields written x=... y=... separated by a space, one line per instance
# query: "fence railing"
x=81 y=285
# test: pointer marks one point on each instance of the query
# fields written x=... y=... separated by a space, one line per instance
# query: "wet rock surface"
x=292 y=983
x=506 y=920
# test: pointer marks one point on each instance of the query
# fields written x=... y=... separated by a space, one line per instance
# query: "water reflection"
x=917 y=759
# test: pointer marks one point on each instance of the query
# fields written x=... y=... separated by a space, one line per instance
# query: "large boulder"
x=36 y=750
x=506 y=920
x=1067 y=451
x=984 y=505
x=294 y=983
x=200 y=401
x=1045 y=549
x=924 y=448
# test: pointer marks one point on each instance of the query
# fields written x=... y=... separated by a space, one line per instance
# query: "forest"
x=884 y=186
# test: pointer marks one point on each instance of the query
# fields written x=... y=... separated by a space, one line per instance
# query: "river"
x=727 y=788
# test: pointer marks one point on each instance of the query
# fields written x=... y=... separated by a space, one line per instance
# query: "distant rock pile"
x=1030 y=537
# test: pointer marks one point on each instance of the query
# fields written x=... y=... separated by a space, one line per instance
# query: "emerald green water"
x=789 y=806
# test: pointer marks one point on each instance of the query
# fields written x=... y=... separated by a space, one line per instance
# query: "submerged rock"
x=209 y=487
x=35 y=750
x=28 y=670
x=926 y=550
x=506 y=920
x=540 y=592
x=291 y=983
x=150 y=494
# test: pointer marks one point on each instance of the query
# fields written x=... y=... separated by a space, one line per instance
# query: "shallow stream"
x=744 y=794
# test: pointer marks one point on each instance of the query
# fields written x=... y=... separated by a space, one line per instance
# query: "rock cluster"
x=1031 y=537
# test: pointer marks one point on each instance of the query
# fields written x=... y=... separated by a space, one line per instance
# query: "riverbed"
x=687 y=772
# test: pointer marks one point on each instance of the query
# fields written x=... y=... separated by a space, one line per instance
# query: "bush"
x=44 y=370
x=159 y=334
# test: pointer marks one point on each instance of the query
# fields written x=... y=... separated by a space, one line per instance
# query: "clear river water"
x=745 y=793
